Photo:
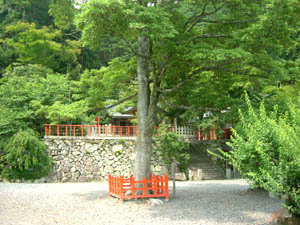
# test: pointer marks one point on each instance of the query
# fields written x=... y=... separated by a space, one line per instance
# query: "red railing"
x=90 y=130
x=213 y=134
x=129 y=188
x=132 y=131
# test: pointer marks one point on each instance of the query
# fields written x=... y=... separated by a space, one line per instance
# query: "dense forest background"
x=48 y=74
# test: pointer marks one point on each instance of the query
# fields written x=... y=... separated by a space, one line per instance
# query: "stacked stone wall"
x=86 y=159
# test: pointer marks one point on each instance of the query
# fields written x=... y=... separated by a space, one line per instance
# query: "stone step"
x=202 y=160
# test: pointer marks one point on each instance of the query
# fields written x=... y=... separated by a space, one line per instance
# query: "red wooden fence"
x=89 y=130
x=129 y=188
x=131 y=131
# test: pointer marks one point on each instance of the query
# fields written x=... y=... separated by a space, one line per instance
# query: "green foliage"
x=266 y=151
x=26 y=92
x=43 y=46
x=32 y=11
x=108 y=85
x=100 y=19
x=26 y=157
x=61 y=113
x=63 y=12
x=170 y=147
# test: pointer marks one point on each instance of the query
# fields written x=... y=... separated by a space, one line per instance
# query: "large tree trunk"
x=145 y=128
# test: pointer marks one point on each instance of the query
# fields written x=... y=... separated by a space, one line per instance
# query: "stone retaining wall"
x=88 y=159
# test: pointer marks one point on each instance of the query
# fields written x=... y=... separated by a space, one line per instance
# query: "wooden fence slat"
x=119 y=185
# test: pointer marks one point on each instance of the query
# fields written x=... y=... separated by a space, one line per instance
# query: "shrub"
x=170 y=148
x=26 y=157
x=266 y=151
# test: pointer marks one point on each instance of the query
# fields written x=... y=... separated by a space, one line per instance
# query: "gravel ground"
x=206 y=202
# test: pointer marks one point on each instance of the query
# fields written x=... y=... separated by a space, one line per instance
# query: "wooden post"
x=155 y=185
x=121 y=189
x=132 y=184
x=167 y=187
x=173 y=171
x=144 y=186
x=109 y=185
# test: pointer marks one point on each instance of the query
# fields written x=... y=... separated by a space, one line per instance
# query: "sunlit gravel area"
x=205 y=202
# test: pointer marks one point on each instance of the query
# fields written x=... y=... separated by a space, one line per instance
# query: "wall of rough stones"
x=86 y=159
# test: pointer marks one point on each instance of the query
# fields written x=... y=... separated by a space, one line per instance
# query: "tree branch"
x=129 y=45
x=197 y=19
x=208 y=36
x=202 y=15
x=169 y=104
x=228 y=22
x=120 y=102
x=188 y=78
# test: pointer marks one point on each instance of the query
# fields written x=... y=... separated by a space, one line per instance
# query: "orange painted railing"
x=90 y=130
x=213 y=134
x=129 y=188
x=131 y=131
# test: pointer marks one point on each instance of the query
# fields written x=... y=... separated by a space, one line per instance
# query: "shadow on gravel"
x=93 y=195
x=216 y=203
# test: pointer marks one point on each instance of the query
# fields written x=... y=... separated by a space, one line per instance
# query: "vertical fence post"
x=173 y=171
x=155 y=185
x=66 y=130
x=129 y=131
x=136 y=131
x=132 y=184
x=121 y=189
x=50 y=130
x=109 y=185
x=114 y=130
x=144 y=186
x=166 y=186
x=58 y=130
x=121 y=130
x=74 y=130
x=90 y=129
x=81 y=131
x=46 y=130
x=98 y=130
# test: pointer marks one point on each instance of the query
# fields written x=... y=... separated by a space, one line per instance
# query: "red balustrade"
x=129 y=188
x=132 y=131
x=90 y=130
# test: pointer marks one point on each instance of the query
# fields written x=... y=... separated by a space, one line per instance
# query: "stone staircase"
x=200 y=159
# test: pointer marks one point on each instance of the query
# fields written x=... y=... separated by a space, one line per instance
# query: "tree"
x=25 y=92
x=265 y=150
x=176 y=43
x=26 y=157
x=43 y=46
x=170 y=148
x=32 y=11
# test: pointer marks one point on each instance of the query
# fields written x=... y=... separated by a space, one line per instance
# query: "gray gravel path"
x=207 y=202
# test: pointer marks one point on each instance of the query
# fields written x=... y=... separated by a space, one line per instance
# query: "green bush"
x=266 y=151
x=26 y=157
x=170 y=148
